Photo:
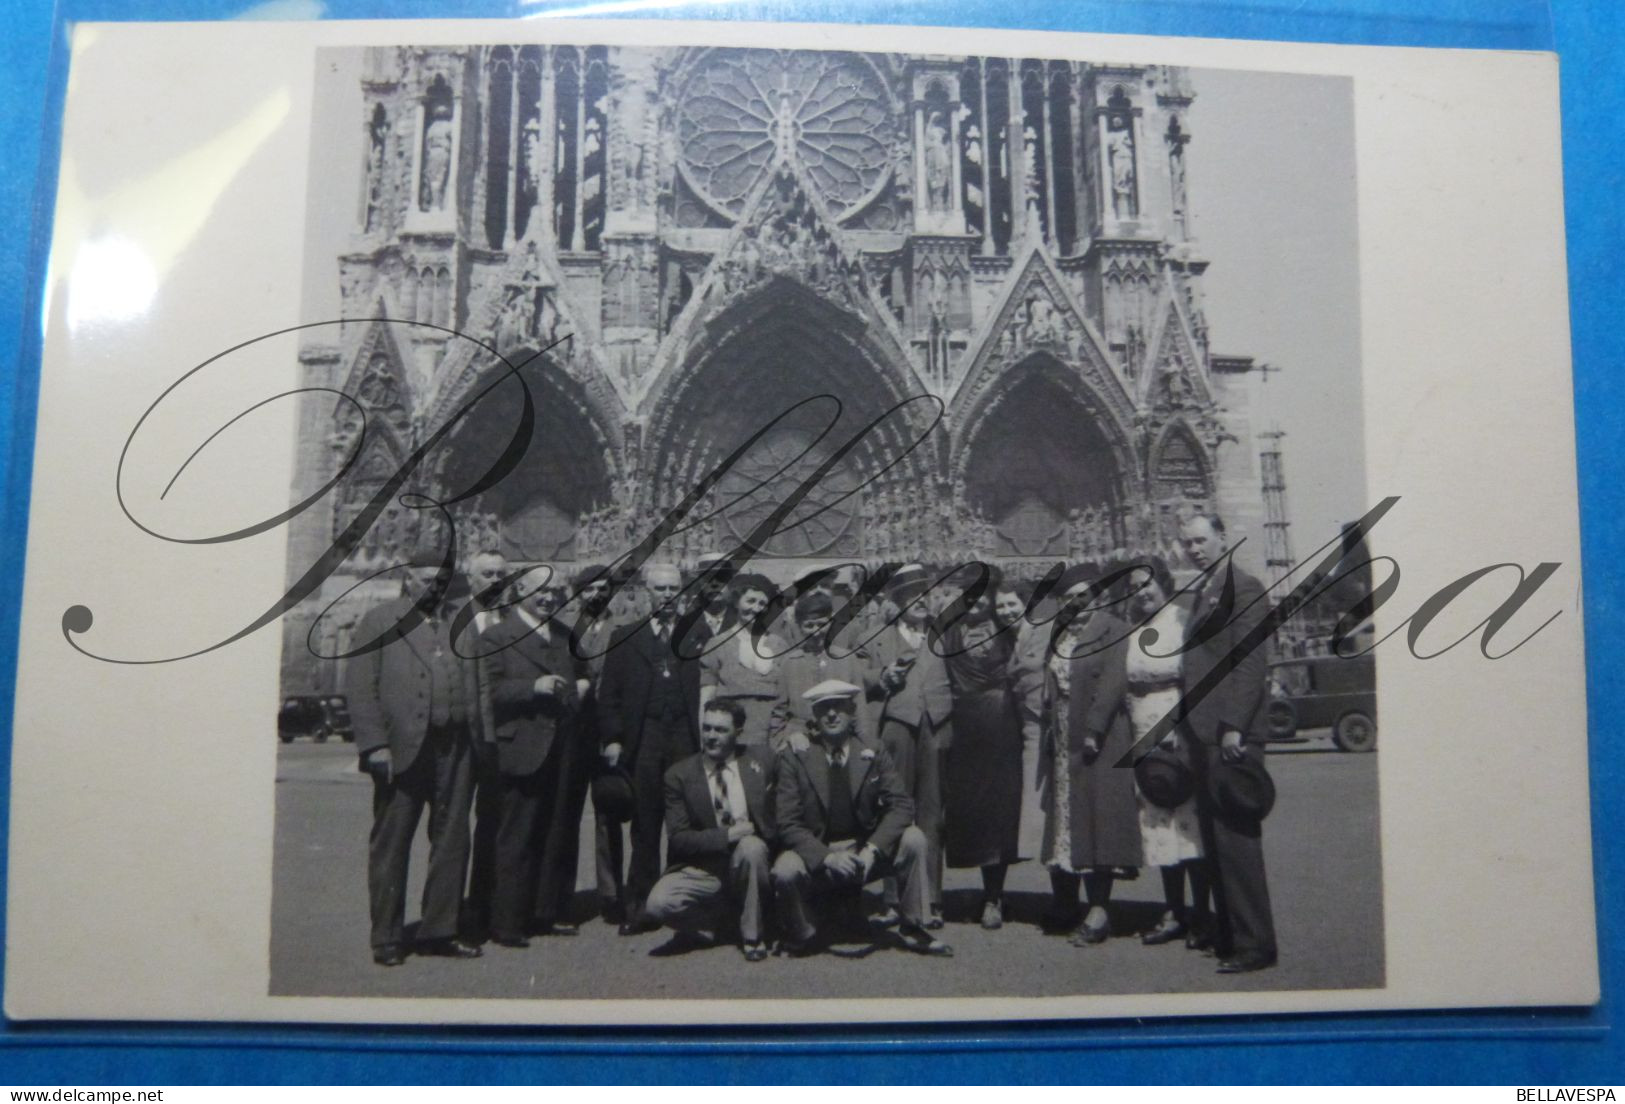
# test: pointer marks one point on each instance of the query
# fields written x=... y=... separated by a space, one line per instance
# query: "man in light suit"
x=844 y=820
x=719 y=817
x=648 y=718
x=910 y=680
x=532 y=677
x=1226 y=726
x=415 y=705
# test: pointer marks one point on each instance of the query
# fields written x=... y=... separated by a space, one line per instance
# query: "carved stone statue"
x=516 y=323
x=1029 y=174
x=437 y=138
x=377 y=144
x=1120 y=162
x=1176 y=169
x=939 y=165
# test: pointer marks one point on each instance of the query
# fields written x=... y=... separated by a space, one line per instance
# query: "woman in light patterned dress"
x=1144 y=683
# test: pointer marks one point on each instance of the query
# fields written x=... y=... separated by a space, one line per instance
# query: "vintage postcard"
x=552 y=522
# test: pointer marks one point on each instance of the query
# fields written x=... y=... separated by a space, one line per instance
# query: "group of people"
x=791 y=747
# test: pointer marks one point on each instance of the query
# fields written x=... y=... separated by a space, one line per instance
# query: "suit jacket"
x=1237 y=701
x=634 y=662
x=693 y=836
x=389 y=688
x=926 y=698
x=1027 y=659
x=527 y=725
x=881 y=805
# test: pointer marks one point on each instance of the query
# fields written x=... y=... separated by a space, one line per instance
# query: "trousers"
x=794 y=885
x=692 y=898
x=440 y=778
x=1234 y=851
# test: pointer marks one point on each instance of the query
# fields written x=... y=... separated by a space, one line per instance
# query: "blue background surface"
x=1539 y=1047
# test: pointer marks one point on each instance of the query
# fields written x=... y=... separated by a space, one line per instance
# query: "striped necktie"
x=721 y=798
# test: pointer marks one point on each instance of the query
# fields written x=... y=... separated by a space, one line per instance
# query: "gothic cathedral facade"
x=984 y=265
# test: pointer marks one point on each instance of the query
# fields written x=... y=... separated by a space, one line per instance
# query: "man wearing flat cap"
x=844 y=820
x=415 y=704
x=812 y=663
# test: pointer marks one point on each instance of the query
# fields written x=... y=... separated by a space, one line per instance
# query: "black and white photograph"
x=555 y=522
x=752 y=472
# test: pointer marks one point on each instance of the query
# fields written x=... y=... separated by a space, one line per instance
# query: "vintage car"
x=314 y=715
x=1335 y=692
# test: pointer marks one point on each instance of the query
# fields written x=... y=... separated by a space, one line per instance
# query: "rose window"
x=765 y=477
x=744 y=111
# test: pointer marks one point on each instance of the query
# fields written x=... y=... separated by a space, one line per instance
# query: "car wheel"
x=1355 y=732
x=321 y=736
x=1282 y=719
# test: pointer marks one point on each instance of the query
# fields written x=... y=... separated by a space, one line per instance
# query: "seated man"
x=845 y=820
x=718 y=819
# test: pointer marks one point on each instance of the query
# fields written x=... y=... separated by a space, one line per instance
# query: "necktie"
x=724 y=803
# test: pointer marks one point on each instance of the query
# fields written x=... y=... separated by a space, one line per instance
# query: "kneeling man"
x=719 y=807
x=845 y=820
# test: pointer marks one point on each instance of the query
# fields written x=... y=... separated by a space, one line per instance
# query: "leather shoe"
x=558 y=927
x=993 y=916
x=755 y=952
x=391 y=954
x=934 y=922
x=1167 y=930
x=797 y=948
x=451 y=947
x=515 y=941
x=637 y=927
x=1199 y=935
x=1247 y=962
x=923 y=942
x=887 y=918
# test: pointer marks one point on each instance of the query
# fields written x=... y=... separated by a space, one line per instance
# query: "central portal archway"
x=788 y=347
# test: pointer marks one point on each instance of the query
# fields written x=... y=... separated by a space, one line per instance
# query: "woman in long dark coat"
x=983 y=803
x=1094 y=825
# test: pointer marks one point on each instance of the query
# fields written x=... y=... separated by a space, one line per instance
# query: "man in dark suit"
x=844 y=820
x=534 y=700
x=648 y=719
x=719 y=817
x=488 y=575
x=415 y=707
x=910 y=680
x=1227 y=726
x=594 y=628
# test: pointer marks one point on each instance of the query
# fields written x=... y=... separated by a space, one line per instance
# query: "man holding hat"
x=595 y=625
x=1227 y=730
x=415 y=705
x=845 y=820
x=648 y=719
